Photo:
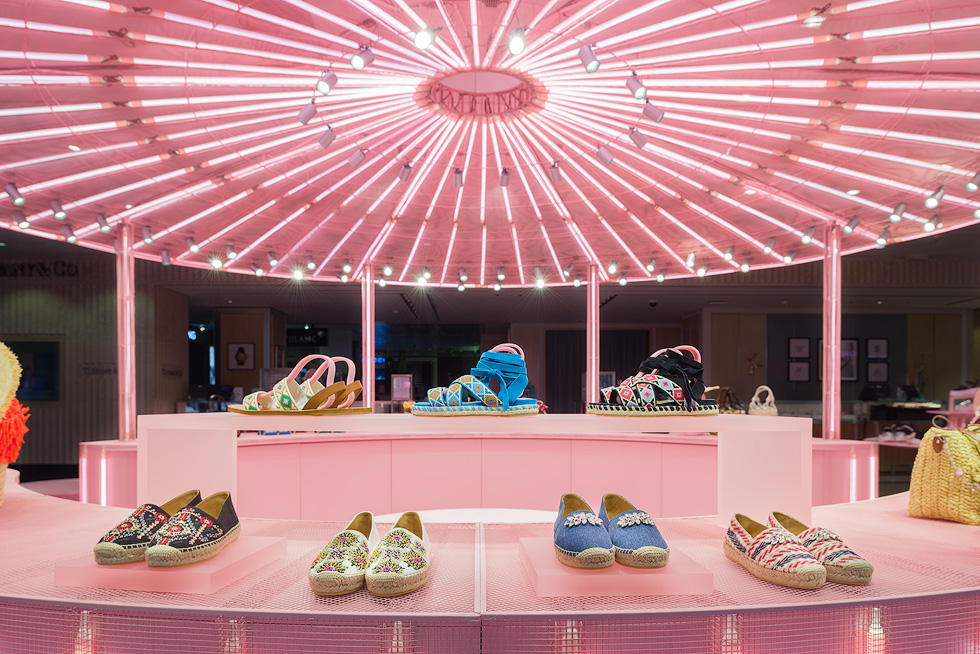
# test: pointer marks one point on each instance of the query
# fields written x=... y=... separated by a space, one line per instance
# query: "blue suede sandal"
x=472 y=395
x=581 y=541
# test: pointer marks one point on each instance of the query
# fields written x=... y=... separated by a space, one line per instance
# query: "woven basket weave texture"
x=936 y=491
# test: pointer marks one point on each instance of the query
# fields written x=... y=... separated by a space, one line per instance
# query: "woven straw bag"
x=767 y=408
x=946 y=475
x=728 y=402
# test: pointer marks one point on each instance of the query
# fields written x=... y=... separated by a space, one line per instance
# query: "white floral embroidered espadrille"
x=340 y=566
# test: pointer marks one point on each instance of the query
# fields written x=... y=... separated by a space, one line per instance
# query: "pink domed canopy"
x=711 y=137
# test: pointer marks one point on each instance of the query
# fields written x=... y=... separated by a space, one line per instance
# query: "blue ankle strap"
x=508 y=369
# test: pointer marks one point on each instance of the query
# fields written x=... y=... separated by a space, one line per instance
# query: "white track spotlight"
x=147 y=235
x=972 y=186
x=661 y=276
x=216 y=263
x=230 y=252
x=897 y=212
x=69 y=235
x=852 y=225
x=808 y=235
x=883 y=237
x=934 y=223
x=622 y=279
x=976 y=213
x=457 y=178
x=517 y=43
x=310 y=263
x=426 y=37
x=104 y=226
x=604 y=155
x=426 y=274
x=421 y=280
x=362 y=58
x=357 y=158
x=382 y=282
x=746 y=265
x=652 y=265
x=933 y=200
x=273 y=259
x=538 y=277
x=788 y=258
x=500 y=274
x=387 y=270
x=347 y=267
x=730 y=253
x=325 y=84
x=258 y=271
x=20 y=219
x=703 y=270
x=567 y=271
x=59 y=213
x=14 y=194
x=496 y=286
x=298 y=274
x=636 y=87
x=652 y=112
x=306 y=113
x=588 y=58
x=612 y=267
x=462 y=275
x=165 y=257
x=460 y=286
x=327 y=138
x=690 y=260
x=405 y=173
x=577 y=281
x=555 y=172
x=770 y=244
x=344 y=277
x=638 y=139
x=504 y=177
x=814 y=19
x=192 y=245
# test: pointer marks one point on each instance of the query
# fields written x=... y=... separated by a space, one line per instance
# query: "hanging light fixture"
x=258 y=271
x=746 y=265
x=577 y=281
x=504 y=177
x=897 y=212
x=216 y=263
x=661 y=276
x=103 y=224
x=165 y=256
x=554 y=172
x=362 y=58
x=690 y=260
x=357 y=158
x=20 y=219
x=852 y=225
x=767 y=248
x=298 y=274
x=14 y=194
x=382 y=282
x=426 y=274
x=426 y=37
x=622 y=279
x=703 y=270
x=808 y=235
x=652 y=265
x=652 y=112
x=972 y=186
x=230 y=252
x=344 y=277
x=147 y=234
x=273 y=260
x=636 y=87
x=460 y=286
x=192 y=245
x=934 y=223
x=347 y=267
x=588 y=58
x=538 y=277
x=612 y=267
x=500 y=274
x=69 y=235
x=327 y=81
x=883 y=237
x=457 y=178
x=387 y=270
x=496 y=286
x=638 y=139
x=517 y=43
x=788 y=258
x=306 y=113
x=59 y=213
x=604 y=155
x=567 y=271
x=405 y=173
x=310 y=263
x=462 y=275
x=730 y=253
x=933 y=200
x=327 y=138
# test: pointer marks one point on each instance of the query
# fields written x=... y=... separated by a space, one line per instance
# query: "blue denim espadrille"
x=580 y=539
x=635 y=537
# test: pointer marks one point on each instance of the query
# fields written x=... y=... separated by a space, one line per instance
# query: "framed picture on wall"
x=877 y=348
x=848 y=359
x=799 y=371
x=877 y=372
x=799 y=348
x=241 y=356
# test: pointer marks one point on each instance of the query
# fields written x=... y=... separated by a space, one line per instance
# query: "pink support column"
x=592 y=338
x=831 y=333
x=367 y=337
x=126 y=331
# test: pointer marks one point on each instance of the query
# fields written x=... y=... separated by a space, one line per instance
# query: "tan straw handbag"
x=758 y=407
x=946 y=475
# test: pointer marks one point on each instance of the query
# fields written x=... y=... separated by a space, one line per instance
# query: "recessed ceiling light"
x=854 y=191
x=74 y=148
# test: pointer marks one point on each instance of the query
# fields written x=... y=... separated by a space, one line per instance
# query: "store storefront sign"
x=56 y=268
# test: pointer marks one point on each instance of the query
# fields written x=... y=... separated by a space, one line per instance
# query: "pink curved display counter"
x=924 y=597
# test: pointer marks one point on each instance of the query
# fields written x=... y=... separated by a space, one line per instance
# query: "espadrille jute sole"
x=600 y=409
x=475 y=411
x=391 y=584
x=594 y=558
x=334 y=583
x=164 y=556
x=115 y=554
x=643 y=557
x=851 y=575
x=807 y=580
x=240 y=408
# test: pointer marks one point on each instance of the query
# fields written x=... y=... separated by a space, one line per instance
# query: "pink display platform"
x=520 y=462
x=924 y=598
x=549 y=578
x=236 y=561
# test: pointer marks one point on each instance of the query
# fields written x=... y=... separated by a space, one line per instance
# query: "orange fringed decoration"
x=13 y=426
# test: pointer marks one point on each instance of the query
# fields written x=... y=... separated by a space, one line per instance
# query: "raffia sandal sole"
x=328 y=584
x=807 y=581
x=391 y=584
x=164 y=556
x=594 y=558
x=474 y=411
x=644 y=557
x=852 y=576
x=114 y=554
x=599 y=409
x=239 y=408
